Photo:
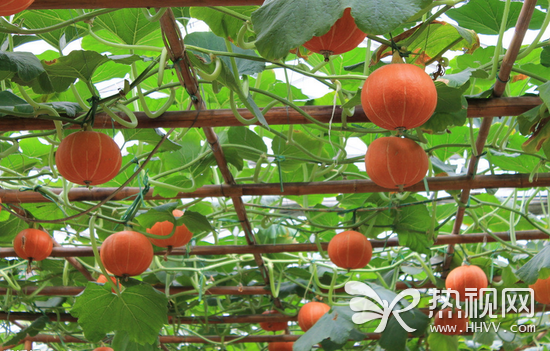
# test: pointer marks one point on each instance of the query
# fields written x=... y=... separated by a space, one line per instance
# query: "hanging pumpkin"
x=342 y=37
x=11 y=7
x=181 y=235
x=88 y=158
x=541 y=289
x=280 y=346
x=395 y=163
x=399 y=96
x=33 y=244
x=310 y=313
x=126 y=253
x=350 y=250
x=273 y=326
x=467 y=277
x=451 y=322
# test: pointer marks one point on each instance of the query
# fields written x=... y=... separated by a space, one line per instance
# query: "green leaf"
x=32 y=330
x=376 y=17
x=180 y=181
x=544 y=91
x=335 y=325
x=78 y=64
x=530 y=272
x=58 y=38
x=24 y=64
x=412 y=227
x=150 y=136
x=157 y=214
x=545 y=56
x=129 y=26
x=485 y=16
x=140 y=311
x=195 y=222
x=246 y=137
x=221 y=24
x=122 y=342
x=441 y=342
x=10 y=228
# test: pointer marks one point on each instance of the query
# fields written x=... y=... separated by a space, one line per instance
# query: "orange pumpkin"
x=310 y=313
x=541 y=289
x=450 y=323
x=11 y=7
x=280 y=346
x=342 y=37
x=350 y=250
x=88 y=158
x=273 y=326
x=399 y=95
x=126 y=253
x=33 y=244
x=104 y=348
x=181 y=235
x=395 y=163
x=467 y=277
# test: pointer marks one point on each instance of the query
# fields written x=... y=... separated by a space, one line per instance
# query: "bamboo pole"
x=278 y=248
x=494 y=107
x=119 y=4
x=502 y=78
x=302 y=188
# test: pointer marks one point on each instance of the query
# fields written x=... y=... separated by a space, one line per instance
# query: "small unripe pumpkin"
x=399 y=95
x=181 y=235
x=273 y=326
x=467 y=277
x=11 y=7
x=395 y=163
x=310 y=313
x=33 y=244
x=541 y=289
x=350 y=250
x=88 y=158
x=342 y=37
x=280 y=346
x=126 y=253
x=446 y=317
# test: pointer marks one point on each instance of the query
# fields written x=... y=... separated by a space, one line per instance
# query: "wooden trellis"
x=485 y=108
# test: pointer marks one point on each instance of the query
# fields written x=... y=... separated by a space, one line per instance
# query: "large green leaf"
x=129 y=26
x=441 y=342
x=150 y=136
x=32 y=330
x=25 y=64
x=485 y=16
x=140 y=311
x=10 y=228
x=412 y=227
x=58 y=38
x=539 y=265
x=222 y=24
x=282 y=25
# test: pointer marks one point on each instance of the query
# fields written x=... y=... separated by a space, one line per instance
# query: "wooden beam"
x=495 y=107
x=277 y=248
x=303 y=188
x=120 y=4
x=75 y=290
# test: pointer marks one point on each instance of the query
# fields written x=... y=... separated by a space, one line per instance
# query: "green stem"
x=97 y=257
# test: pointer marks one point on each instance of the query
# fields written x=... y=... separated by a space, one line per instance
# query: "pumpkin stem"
x=168 y=252
x=400 y=131
x=326 y=54
x=400 y=187
x=29 y=265
x=396 y=57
